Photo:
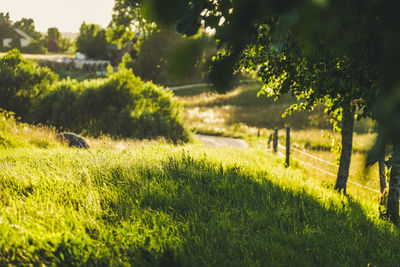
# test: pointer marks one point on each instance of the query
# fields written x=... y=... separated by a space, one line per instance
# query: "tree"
x=65 y=44
x=5 y=24
x=345 y=85
x=314 y=21
x=53 y=39
x=127 y=22
x=53 y=34
x=28 y=26
x=151 y=63
x=93 y=43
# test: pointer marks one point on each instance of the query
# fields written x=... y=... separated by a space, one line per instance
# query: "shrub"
x=57 y=106
x=119 y=105
x=22 y=83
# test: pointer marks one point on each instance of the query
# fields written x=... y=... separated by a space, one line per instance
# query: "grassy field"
x=240 y=113
x=149 y=203
x=158 y=204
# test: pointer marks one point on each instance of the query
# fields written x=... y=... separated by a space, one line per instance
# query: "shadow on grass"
x=194 y=212
x=231 y=216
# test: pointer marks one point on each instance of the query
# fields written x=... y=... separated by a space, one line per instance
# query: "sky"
x=66 y=15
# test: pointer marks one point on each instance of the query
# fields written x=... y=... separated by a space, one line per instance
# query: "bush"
x=22 y=83
x=119 y=105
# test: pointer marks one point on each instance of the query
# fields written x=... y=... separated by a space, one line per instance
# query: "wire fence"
x=319 y=169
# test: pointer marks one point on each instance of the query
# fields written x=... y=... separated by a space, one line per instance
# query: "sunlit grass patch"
x=156 y=204
x=16 y=134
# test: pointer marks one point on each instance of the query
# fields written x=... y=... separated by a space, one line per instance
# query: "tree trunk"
x=347 y=147
x=394 y=185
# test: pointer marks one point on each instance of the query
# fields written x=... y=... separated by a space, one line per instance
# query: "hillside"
x=152 y=204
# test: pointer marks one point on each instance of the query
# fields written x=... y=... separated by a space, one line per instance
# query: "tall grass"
x=240 y=113
x=17 y=134
x=213 y=113
x=179 y=206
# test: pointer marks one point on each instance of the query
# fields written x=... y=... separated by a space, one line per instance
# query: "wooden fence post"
x=275 y=141
x=382 y=175
x=269 y=140
x=287 y=146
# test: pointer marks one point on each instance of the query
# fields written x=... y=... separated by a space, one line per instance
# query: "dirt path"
x=218 y=141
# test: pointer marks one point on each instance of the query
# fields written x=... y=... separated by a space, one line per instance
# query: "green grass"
x=16 y=134
x=124 y=203
x=180 y=206
x=240 y=113
x=148 y=203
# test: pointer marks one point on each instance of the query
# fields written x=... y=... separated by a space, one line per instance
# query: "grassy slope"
x=15 y=134
x=148 y=203
x=240 y=113
x=159 y=204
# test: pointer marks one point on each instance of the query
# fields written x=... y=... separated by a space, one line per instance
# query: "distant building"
x=24 y=38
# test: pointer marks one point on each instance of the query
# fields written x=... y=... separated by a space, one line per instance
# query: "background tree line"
x=149 y=45
x=52 y=41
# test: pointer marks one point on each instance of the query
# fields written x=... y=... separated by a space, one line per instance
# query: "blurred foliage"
x=93 y=43
x=5 y=24
x=161 y=54
x=128 y=22
x=120 y=104
x=35 y=47
x=22 y=83
x=40 y=44
x=53 y=38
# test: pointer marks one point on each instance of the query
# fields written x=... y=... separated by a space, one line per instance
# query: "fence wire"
x=321 y=170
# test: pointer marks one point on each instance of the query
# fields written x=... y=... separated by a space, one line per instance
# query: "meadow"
x=242 y=114
x=151 y=203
